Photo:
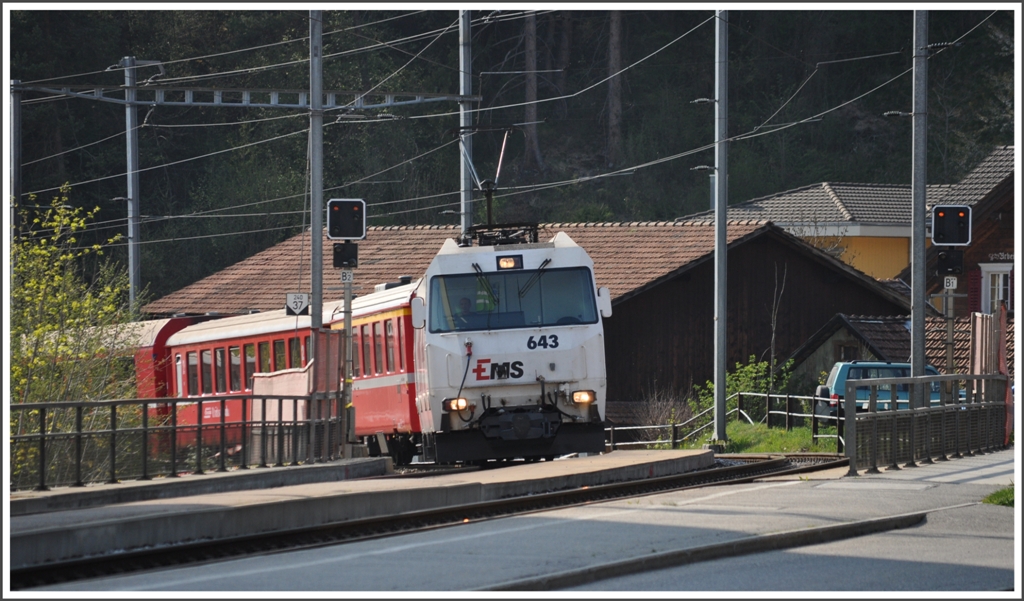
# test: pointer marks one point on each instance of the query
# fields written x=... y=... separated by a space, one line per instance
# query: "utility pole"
x=721 y=200
x=919 y=181
x=316 y=200
x=131 y=125
x=465 y=121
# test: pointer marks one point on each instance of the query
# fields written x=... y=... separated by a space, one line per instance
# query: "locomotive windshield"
x=495 y=301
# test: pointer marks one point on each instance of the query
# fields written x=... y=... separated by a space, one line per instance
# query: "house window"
x=847 y=352
x=996 y=282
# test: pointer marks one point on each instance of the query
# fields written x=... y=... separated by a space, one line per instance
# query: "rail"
x=76 y=443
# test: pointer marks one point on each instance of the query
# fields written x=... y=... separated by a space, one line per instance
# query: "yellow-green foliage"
x=64 y=342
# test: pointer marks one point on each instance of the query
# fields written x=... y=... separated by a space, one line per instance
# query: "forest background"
x=602 y=102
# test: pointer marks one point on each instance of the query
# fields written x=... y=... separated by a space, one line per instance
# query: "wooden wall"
x=663 y=338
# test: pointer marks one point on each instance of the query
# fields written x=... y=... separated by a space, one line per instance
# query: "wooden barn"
x=781 y=291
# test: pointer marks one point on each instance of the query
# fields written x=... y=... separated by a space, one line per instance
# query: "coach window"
x=264 y=357
x=207 y=381
x=399 y=323
x=366 y=349
x=389 y=333
x=235 y=355
x=193 y=374
x=250 y=364
x=355 y=354
x=219 y=376
x=279 y=355
x=378 y=360
x=308 y=350
x=295 y=352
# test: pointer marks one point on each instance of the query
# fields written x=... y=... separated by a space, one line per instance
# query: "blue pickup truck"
x=830 y=395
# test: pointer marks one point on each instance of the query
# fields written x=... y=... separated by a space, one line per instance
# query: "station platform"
x=64 y=524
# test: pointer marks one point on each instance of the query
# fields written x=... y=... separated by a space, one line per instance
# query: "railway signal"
x=950 y=261
x=951 y=225
x=346 y=219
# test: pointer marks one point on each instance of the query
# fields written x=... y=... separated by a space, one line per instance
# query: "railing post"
x=280 y=432
x=113 y=444
x=78 y=446
x=199 y=436
x=850 y=427
x=675 y=436
x=263 y=432
x=611 y=435
x=767 y=410
x=789 y=419
x=223 y=439
x=894 y=441
x=42 y=450
x=913 y=419
x=967 y=415
x=739 y=406
x=873 y=412
x=246 y=431
x=295 y=431
x=145 y=441
x=943 y=419
x=174 y=438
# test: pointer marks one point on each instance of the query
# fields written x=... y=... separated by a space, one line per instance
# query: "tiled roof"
x=627 y=256
x=898 y=286
x=832 y=203
x=890 y=336
x=991 y=172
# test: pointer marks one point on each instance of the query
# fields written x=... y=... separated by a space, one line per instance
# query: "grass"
x=1002 y=497
x=759 y=438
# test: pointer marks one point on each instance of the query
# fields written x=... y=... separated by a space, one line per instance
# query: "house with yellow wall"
x=867 y=226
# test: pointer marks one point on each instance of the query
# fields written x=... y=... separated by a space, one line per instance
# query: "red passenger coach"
x=151 y=358
x=213 y=363
x=384 y=379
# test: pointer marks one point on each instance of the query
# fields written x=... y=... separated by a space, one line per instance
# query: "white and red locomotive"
x=496 y=353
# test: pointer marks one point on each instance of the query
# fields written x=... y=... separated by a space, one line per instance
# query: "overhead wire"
x=226 y=53
x=748 y=135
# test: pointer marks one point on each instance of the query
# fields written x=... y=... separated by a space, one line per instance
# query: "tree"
x=67 y=335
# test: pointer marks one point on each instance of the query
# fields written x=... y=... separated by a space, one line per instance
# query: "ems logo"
x=486 y=370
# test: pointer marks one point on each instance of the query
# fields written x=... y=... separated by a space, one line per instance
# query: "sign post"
x=949 y=283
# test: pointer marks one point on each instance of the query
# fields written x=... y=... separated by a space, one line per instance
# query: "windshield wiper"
x=486 y=285
x=534 y=279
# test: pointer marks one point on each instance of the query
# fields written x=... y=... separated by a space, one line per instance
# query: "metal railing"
x=81 y=442
x=675 y=439
x=973 y=420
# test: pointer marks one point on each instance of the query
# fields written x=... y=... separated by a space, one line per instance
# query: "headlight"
x=582 y=397
x=456 y=404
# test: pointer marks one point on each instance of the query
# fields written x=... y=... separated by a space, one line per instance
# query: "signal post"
x=346 y=220
x=951 y=228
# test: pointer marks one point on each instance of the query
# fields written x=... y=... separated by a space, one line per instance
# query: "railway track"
x=726 y=471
